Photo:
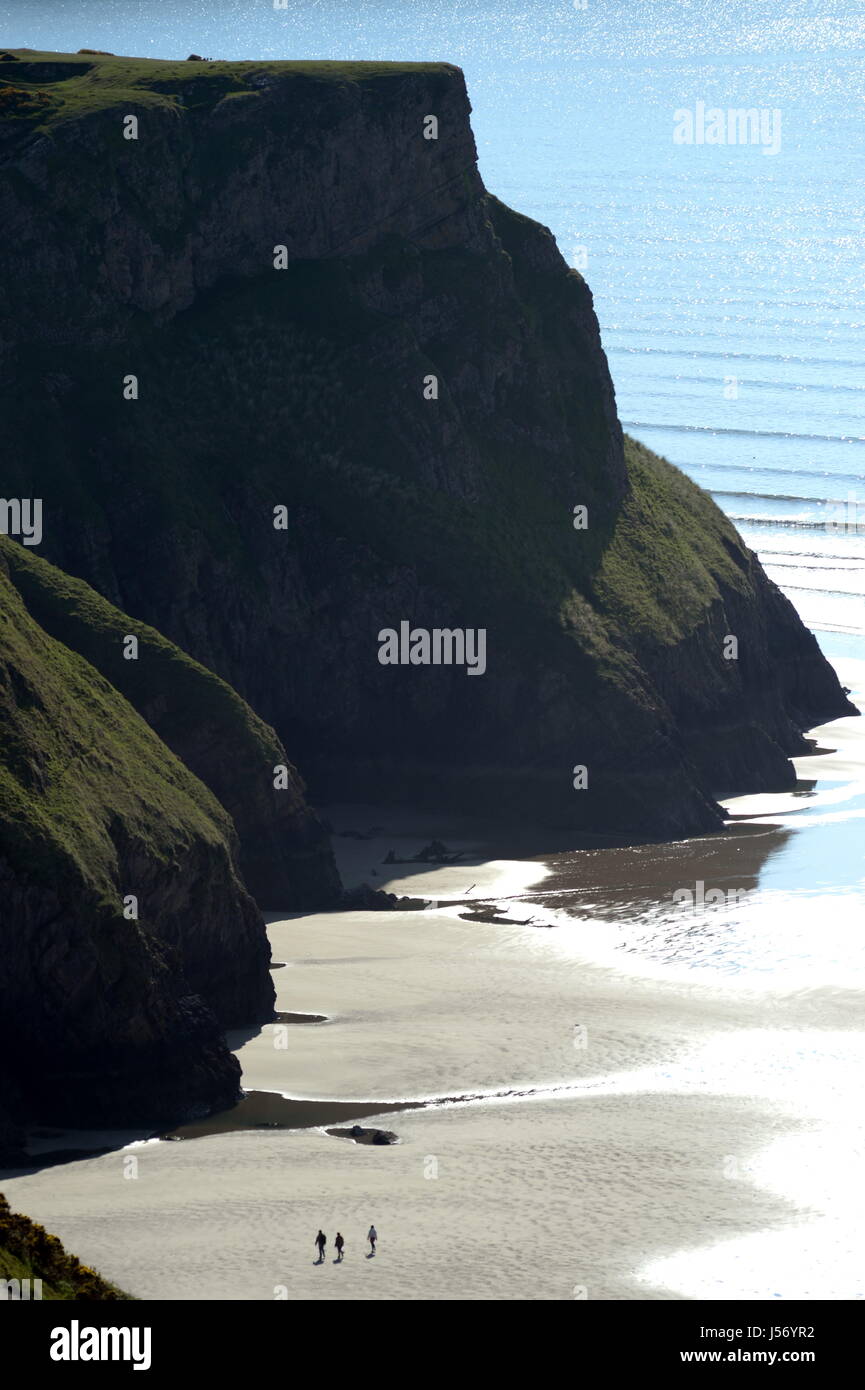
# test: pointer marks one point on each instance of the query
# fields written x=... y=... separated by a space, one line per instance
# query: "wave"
x=700 y=337
x=674 y=382
x=809 y=555
x=781 y=472
x=796 y=564
x=757 y=301
x=750 y=434
x=694 y=319
x=784 y=497
x=796 y=523
x=737 y=356
x=831 y=593
x=846 y=629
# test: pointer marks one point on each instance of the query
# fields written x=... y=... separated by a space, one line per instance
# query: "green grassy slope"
x=669 y=555
x=284 y=855
x=75 y=756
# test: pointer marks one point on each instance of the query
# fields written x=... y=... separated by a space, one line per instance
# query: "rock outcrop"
x=324 y=311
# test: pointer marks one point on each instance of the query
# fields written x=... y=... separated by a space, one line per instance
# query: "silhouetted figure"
x=339 y=1243
x=321 y=1242
x=372 y=1237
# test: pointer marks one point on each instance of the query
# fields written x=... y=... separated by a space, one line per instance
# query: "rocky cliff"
x=128 y=937
x=325 y=312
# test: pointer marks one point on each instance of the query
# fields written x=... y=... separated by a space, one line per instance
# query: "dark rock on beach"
x=360 y=1135
x=363 y=898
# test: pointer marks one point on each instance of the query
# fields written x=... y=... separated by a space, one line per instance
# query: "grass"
x=81 y=83
x=274 y=843
x=77 y=760
x=186 y=694
x=670 y=550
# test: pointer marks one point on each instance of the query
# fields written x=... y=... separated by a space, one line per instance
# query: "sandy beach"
x=630 y=1100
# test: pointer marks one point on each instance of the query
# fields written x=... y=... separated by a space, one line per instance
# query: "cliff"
x=283 y=852
x=304 y=388
x=108 y=1017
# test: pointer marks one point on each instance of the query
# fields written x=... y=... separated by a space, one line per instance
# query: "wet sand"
x=268 y=1110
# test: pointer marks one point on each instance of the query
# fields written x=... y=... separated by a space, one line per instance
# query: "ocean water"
x=728 y=280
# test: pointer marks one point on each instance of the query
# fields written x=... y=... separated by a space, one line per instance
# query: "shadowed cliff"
x=110 y=1013
x=304 y=388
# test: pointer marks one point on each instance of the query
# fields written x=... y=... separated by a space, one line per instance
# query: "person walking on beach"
x=339 y=1243
x=321 y=1242
x=372 y=1237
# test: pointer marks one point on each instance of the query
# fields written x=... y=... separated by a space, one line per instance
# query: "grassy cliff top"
x=63 y=85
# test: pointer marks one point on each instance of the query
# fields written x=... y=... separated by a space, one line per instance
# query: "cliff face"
x=304 y=388
x=230 y=158
x=283 y=852
x=107 y=1017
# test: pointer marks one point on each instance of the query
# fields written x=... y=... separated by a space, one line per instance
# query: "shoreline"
x=695 y=1129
